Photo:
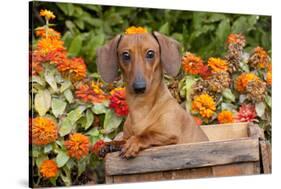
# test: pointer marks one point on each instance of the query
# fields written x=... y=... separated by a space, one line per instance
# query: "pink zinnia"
x=247 y=113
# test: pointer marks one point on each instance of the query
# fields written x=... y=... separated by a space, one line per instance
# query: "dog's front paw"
x=131 y=148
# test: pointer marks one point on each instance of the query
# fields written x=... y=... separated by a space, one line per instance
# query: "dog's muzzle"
x=139 y=86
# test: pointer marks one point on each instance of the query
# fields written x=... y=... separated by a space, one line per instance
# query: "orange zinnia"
x=77 y=146
x=243 y=80
x=45 y=32
x=192 y=64
x=269 y=78
x=44 y=131
x=74 y=68
x=225 y=117
x=46 y=45
x=204 y=105
x=217 y=64
x=90 y=93
x=238 y=39
x=48 y=169
x=135 y=30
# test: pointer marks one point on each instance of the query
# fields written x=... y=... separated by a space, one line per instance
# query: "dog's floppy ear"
x=107 y=60
x=170 y=53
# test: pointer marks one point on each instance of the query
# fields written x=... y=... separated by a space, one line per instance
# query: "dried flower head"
x=247 y=113
x=118 y=101
x=225 y=116
x=235 y=45
x=218 y=82
x=135 y=30
x=47 y=14
x=217 y=64
x=48 y=169
x=259 y=58
x=44 y=131
x=255 y=90
x=243 y=80
x=204 y=105
x=77 y=145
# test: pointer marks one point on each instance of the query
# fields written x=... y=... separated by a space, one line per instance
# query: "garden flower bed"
x=72 y=111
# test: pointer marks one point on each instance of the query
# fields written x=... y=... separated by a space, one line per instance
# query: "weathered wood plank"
x=265 y=148
x=247 y=168
x=255 y=131
x=226 y=131
x=181 y=156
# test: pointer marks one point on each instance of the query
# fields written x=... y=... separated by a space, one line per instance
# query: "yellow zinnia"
x=135 y=30
x=48 y=14
x=217 y=64
x=204 y=105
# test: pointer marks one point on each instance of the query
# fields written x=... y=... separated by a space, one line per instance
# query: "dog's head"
x=141 y=57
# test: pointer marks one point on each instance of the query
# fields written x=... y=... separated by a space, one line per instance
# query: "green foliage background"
x=86 y=27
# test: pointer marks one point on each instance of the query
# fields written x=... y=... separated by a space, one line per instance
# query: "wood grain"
x=182 y=156
x=265 y=149
x=247 y=168
x=226 y=131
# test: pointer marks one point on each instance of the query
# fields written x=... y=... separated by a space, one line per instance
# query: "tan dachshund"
x=155 y=118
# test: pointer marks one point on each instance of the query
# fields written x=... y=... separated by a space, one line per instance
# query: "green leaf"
x=42 y=102
x=99 y=108
x=37 y=79
x=62 y=158
x=74 y=115
x=228 y=106
x=81 y=167
x=48 y=148
x=242 y=98
x=65 y=85
x=244 y=67
x=66 y=177
x=93 y=132
x=260 y=108
x=75 y=46
x=68 y=95
x=228 y=94
x=65 y=127
x=240 y=25
x=58 y=106
x=223 y=30
x=165 y=28
x=50 y=78
x=89 y=119
x=268 y=100
x=189 y=81
x=111 y=121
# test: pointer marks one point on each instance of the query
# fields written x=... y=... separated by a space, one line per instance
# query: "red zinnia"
x=118 y=102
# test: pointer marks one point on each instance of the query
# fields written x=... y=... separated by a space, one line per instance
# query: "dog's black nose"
x=139 y=86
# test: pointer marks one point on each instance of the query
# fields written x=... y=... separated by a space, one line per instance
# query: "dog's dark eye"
x=150 y=54
x=126 y=56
